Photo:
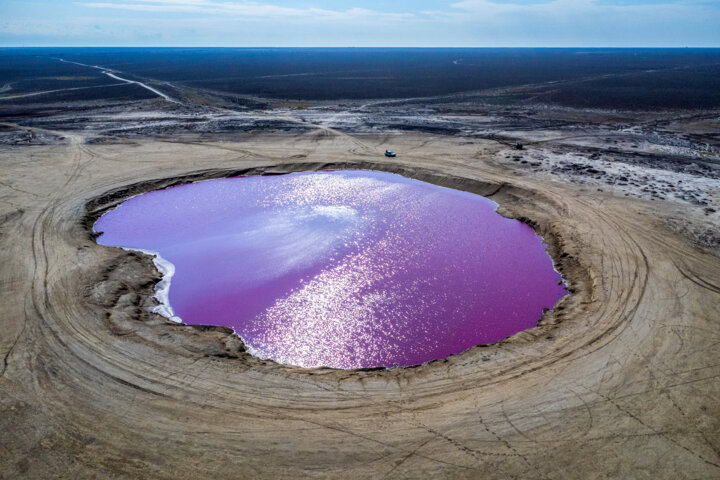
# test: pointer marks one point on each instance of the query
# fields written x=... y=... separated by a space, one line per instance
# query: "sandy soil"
x=620 y=381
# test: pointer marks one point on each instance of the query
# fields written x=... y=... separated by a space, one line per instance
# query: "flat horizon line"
x=378 y=47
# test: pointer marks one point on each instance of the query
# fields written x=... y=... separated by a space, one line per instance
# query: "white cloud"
x=246 y=9
x=572 y=7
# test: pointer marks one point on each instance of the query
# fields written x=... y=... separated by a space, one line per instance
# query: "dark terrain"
x=612 y=78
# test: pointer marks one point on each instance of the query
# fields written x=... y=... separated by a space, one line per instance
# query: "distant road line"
x=33 y=94
x=109 y=73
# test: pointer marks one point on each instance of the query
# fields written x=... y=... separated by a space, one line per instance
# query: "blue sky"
x=338 y=23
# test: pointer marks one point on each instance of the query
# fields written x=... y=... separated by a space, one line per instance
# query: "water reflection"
x=345 y=269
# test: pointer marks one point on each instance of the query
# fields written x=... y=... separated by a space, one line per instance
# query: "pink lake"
x=343 y=269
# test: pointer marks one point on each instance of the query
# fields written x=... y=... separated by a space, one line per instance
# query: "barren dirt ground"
x=620 y=381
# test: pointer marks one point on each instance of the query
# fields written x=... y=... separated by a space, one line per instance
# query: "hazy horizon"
x=372 y=23
x=380 y=47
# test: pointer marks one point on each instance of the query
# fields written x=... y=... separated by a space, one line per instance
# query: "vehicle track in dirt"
x=620 y=380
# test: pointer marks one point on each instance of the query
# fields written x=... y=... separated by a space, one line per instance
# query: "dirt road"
x=620 y=381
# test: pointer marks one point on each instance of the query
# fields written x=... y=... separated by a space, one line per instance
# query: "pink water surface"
x=345 y=269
